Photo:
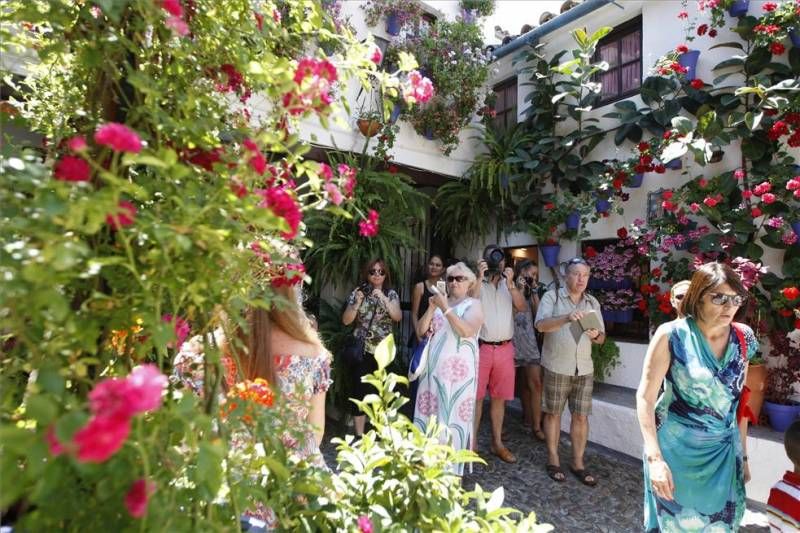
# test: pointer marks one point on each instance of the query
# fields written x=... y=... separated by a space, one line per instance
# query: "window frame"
x=503 y=86
x=616 y=35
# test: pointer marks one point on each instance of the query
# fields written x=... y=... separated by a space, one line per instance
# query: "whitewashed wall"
x=661 y=32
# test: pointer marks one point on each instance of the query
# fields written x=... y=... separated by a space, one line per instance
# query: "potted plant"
x=775 y=25
x=546 y=236
x=369 y=123
x=472 y=9
x=398 y=13
x=605 y=358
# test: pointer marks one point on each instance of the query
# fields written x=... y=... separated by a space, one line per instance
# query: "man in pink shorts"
x=499 y=296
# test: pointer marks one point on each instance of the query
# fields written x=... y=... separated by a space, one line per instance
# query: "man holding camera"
x=499 y=297
x=567 y=365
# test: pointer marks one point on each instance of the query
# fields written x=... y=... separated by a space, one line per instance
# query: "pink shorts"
x=496 y=371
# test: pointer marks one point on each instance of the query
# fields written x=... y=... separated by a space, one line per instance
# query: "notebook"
x=590 y=320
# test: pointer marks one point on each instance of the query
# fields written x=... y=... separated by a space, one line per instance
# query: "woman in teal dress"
x=695 y=456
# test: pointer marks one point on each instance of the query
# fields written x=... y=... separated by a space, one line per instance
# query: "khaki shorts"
x=558 y=388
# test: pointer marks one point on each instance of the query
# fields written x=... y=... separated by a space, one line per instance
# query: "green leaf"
x=730 y=44
x=384 y=353
x=758 y=59
x=277 y=468
x=41 y=408
x=733 y=62
x=753 y=121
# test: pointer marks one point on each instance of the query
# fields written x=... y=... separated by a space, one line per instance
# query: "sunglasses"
x=723 y=299
x=457 y=279
x=377 y=272
x=577 y=261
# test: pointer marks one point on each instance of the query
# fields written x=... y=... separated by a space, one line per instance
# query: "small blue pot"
x=675 y=164
x=636 y=181
x=739 y=8
x=573 y=220
x=796 y=228
x=393 y=23
x=781 y=416
x=689 y=60
x=625 y=316
x=428 y=134
x=608 y=315
x=550 y=254
x=794 y=36
x=602 y=206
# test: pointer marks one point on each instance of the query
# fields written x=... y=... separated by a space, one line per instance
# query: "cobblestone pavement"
x=614 y=505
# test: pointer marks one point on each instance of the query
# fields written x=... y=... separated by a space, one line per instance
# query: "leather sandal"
x=584 y=477
x=505 y=455
x=556 y=474
x=539 y=434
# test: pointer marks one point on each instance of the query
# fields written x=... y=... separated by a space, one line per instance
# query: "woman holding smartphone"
x=422 y=293
x=448 y=381
x=526 y=350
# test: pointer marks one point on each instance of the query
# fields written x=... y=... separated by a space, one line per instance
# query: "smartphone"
x=441 y=286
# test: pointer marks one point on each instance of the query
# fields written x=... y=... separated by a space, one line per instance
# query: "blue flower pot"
x=794 y=36
x=395 y=114
x=593 y=284
x=796 y=228
x=626 y=283
x=468 y=16
x=573 y=220
x=625 y=316
x=602 y=206
x=739 y=8
x=550 y=254
x=393 y=23
x=781 y=416
x=689 y=60
x=428 y=134
x=608 y=315
x=636 y=181
x=675 y=164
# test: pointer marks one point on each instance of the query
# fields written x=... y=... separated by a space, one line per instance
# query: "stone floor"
x=614 y=505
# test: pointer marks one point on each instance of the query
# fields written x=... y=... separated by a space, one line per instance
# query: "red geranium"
x=790 y=293
x=697 y=83
x=71 y=168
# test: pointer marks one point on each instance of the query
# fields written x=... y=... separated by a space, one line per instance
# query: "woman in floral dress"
x=448 y=382
x=695 y=455
x=374 y=306
x=283 y=348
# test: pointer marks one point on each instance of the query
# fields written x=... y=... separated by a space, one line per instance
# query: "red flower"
x=375 y=55
x=702 y=29
x=747 y=194
x=53 y=444
x=622 y=233
x=258 y=163
x=71 y=168
x=101 y=438
x=549 y=206
x=660 y=169
x=369 y=226
x=118 y=137
x=667 y=195
x=656 y=273
x=710 y=202
x=755 y=212
x=643 y=146
x=669 y=206
x=313 y=78
x=138 y=494
x=681 y=48
x=712 y=33
x=393 y=169
x=769 y=6
x=683 y=15
x=173 y=7
x=790 y=293
x=125 y=215
x=797 y=324
x=777 y=130
x=590 y=252
x=777 y=48
x=786 y=313
x=697 y=83
x=738 y=174
x=283 y=204
x=259 y=20
x=288 y=275
x=768 y=198
x=702 y=182
x=694 y=207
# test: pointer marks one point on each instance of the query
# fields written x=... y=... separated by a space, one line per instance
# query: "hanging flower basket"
x=368 y=127
x=636 y=181
x=573 y=221
x=393 y=24
x=550 y=254
x=739 y=8
x=689 y=60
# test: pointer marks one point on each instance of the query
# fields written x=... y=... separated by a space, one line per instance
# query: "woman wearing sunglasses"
x=695 y=433
x=373 y=305
x=448 y=381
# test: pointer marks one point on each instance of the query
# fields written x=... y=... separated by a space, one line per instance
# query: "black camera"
x=493 y=255
x=366 y=288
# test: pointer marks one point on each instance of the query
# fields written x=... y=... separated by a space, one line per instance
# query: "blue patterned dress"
x=699 y=436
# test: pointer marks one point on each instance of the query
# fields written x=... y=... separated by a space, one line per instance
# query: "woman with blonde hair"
x=448 y=380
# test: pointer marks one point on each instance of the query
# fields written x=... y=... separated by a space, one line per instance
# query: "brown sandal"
x=539 y=434
x=505 y=455
x=554 y=471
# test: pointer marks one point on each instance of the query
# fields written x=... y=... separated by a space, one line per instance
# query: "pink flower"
x=667 y=195
x=182 y=329
x=101 y=438
x=747 y=194
x=369 y=227
x=111 y=399
x=375 y=55
x=289 y=275
x=702 y=182
x=694 y=207
x=326 y=171
x=755 y=212
x=178 y=25
x=71 y=168
x=333 y=193
x=283 y=204
x=147 y=385
x=313 y=78
x=466 y=410
x=790 y=237
x=348 y=173
x=417 y=89
x=710 y=202
x=55 y=447
x=118 y=137
x=793 y=184
x=258 y=163
x=762 y=188
x=125 y=215
x=683 y=15
x=738 y=174
x=364 y=524
x=173 y=7
x=427 y=403
x=77 y=144
x=250 y=145
x=768 y=198
x=769 y=6
x=774 y=222
x=454 y=369
x=138 y=494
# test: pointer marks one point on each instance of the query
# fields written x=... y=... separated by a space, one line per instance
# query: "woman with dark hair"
x=422 y=293
x=373 y=305
x=526 y=351
x=695 y=442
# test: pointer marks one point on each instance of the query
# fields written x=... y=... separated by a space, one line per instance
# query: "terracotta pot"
x=368 y=128
x=756 y=382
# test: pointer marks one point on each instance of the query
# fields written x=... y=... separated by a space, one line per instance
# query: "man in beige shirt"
x=567 y=365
